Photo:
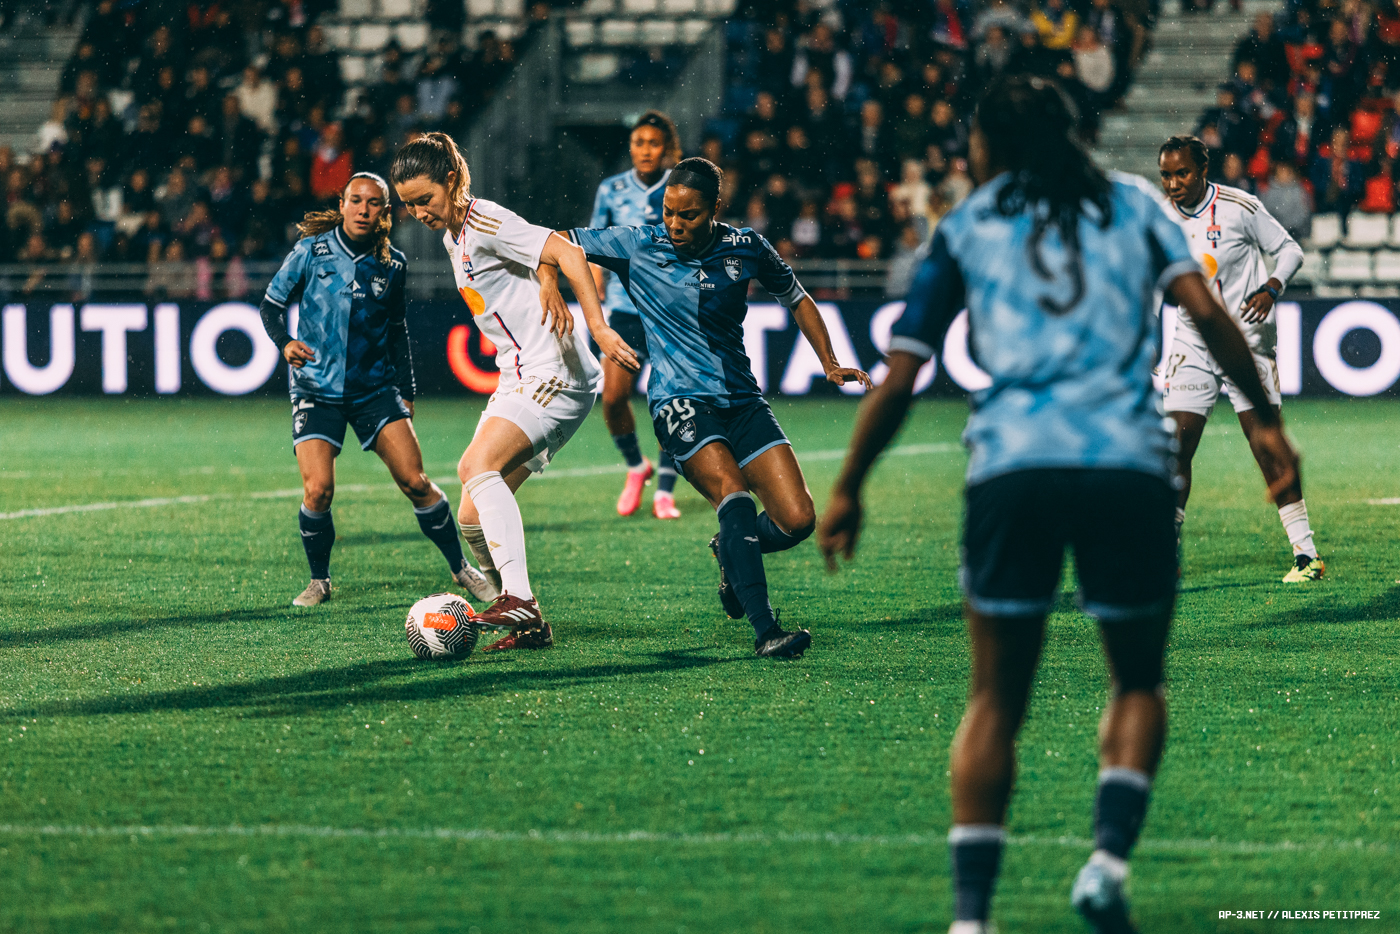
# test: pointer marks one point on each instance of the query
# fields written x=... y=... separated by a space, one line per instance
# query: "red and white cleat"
x=631 y=497
x=528 y=630
x=663 y=506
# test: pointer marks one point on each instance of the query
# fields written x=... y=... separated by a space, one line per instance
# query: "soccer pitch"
x=182 y=750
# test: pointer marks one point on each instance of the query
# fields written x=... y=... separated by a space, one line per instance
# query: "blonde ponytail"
x=314 y=223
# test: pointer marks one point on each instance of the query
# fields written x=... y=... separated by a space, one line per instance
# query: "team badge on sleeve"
x=734 y=266
x=320 y=248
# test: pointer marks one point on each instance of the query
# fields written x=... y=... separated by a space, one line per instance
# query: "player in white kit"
x=549 y=376
x=1229 y=231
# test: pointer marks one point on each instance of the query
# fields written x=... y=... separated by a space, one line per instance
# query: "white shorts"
x=1194 y=379
x=547 y=410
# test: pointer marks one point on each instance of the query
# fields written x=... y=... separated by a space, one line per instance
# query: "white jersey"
x=1229 y=232
x=494 y=258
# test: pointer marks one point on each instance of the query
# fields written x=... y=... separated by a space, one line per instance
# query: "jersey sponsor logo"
x=357 y=291
x=734 y=267
x=734 y=238
x=320 y=249
x=701 y=281
x=619 y=185
x=378 y=284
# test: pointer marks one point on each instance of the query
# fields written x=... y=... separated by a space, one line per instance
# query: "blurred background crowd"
x=188 y=135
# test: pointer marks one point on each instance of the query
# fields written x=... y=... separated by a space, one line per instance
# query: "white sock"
x=476 y=541
x=1295 y=523
x=503 y=529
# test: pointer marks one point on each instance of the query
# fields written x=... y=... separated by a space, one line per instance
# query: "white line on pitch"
x=649 y=836
x=832 y=454
x=1388 y=501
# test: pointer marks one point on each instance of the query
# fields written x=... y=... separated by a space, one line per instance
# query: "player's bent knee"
x=318 y=496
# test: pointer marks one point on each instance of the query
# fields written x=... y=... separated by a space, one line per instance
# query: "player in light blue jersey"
x=351 y=367
x=633 y=198
x=1057 y=266
x=689 y=278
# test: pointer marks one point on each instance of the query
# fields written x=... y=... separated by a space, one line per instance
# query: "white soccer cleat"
x=476 y=583
x=1098 y=894
x=973 y=927
x=316 y=593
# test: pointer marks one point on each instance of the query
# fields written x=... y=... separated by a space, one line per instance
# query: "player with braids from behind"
x=549 y=376
x=631 y=198
x=350 y=365
x=689 y=277
x=1057 y=266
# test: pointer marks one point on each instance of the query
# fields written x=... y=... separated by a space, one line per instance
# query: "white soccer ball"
x=442 y=626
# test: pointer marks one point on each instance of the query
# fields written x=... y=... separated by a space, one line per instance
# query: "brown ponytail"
x=314 y=223
x=434 y=155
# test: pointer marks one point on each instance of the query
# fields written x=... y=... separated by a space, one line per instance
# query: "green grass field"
x=181 y=750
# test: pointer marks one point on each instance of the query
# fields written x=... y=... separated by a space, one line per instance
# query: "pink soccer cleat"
x=631 y=497
x=663 y=506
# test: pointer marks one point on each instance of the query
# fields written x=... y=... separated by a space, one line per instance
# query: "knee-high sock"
x=771 y=538
x=742 y=559
x=665 y=474
x=318 y=538
x=437 y=523
x=1119 y=809
x=1294 y=517
x=476 y=541
x=504 y=530
x=631 y=452
x=975 y=852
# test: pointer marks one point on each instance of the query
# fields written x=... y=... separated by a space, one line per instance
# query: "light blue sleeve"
x=291 y=277
x=608 y=243
x=1171 y=255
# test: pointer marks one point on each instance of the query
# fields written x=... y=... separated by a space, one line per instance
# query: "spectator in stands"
x=240 y=140
x=1093 y=64
x=1337 y=179
x=818 y=52
x=904 y=262
x=1378 y=196
x=54 y=131
x=331 y=166
x=257 y=99
x=1266 y=50
x=1232 y=173
x=1056 y=23
x=175 y=198
x=1287 y=200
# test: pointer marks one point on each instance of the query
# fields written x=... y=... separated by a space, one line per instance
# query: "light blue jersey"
x=693 y=307
x=351 y=314
x=1069 y=343
x=623 y=201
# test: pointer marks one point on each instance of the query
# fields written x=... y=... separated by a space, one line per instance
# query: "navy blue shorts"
x=684 y=426
x=629 y=328
x=1121 y=525
x=316 y=418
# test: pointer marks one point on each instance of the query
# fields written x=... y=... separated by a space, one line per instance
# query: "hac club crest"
x=377 y=285
x=299 y=423
x=734 y=266
x=687 y=432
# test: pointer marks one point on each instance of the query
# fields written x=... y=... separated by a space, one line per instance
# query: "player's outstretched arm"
x=810 y=323
x=1227 y=345
x=560 y=254
x=879 y=419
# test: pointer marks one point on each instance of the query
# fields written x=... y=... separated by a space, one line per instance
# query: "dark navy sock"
x=318 y=538
x=771 y=538
x=665 y=473
x=627 y=444
x=1119 y=809
x=742 y=560
x=437 y=523
x=975 y=851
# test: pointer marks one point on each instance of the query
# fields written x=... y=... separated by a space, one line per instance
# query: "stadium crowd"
x=204 y=136
x=1308 y=121
x=847 y=135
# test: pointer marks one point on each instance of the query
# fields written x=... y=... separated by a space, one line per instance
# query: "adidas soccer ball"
x=442 y=626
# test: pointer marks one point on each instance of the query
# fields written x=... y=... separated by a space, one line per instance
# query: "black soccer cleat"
x=777 y=643
x=733 y=607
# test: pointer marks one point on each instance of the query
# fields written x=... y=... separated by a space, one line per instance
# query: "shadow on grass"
x=929 y=616
x=1384 y=607
x=369 y=683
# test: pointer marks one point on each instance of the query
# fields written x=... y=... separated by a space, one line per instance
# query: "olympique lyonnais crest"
x=467 y=266
x=377 y=285
x=734 y=266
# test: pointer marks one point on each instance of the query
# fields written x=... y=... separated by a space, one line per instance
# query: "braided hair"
x=318 y=222
x=1029 y=127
